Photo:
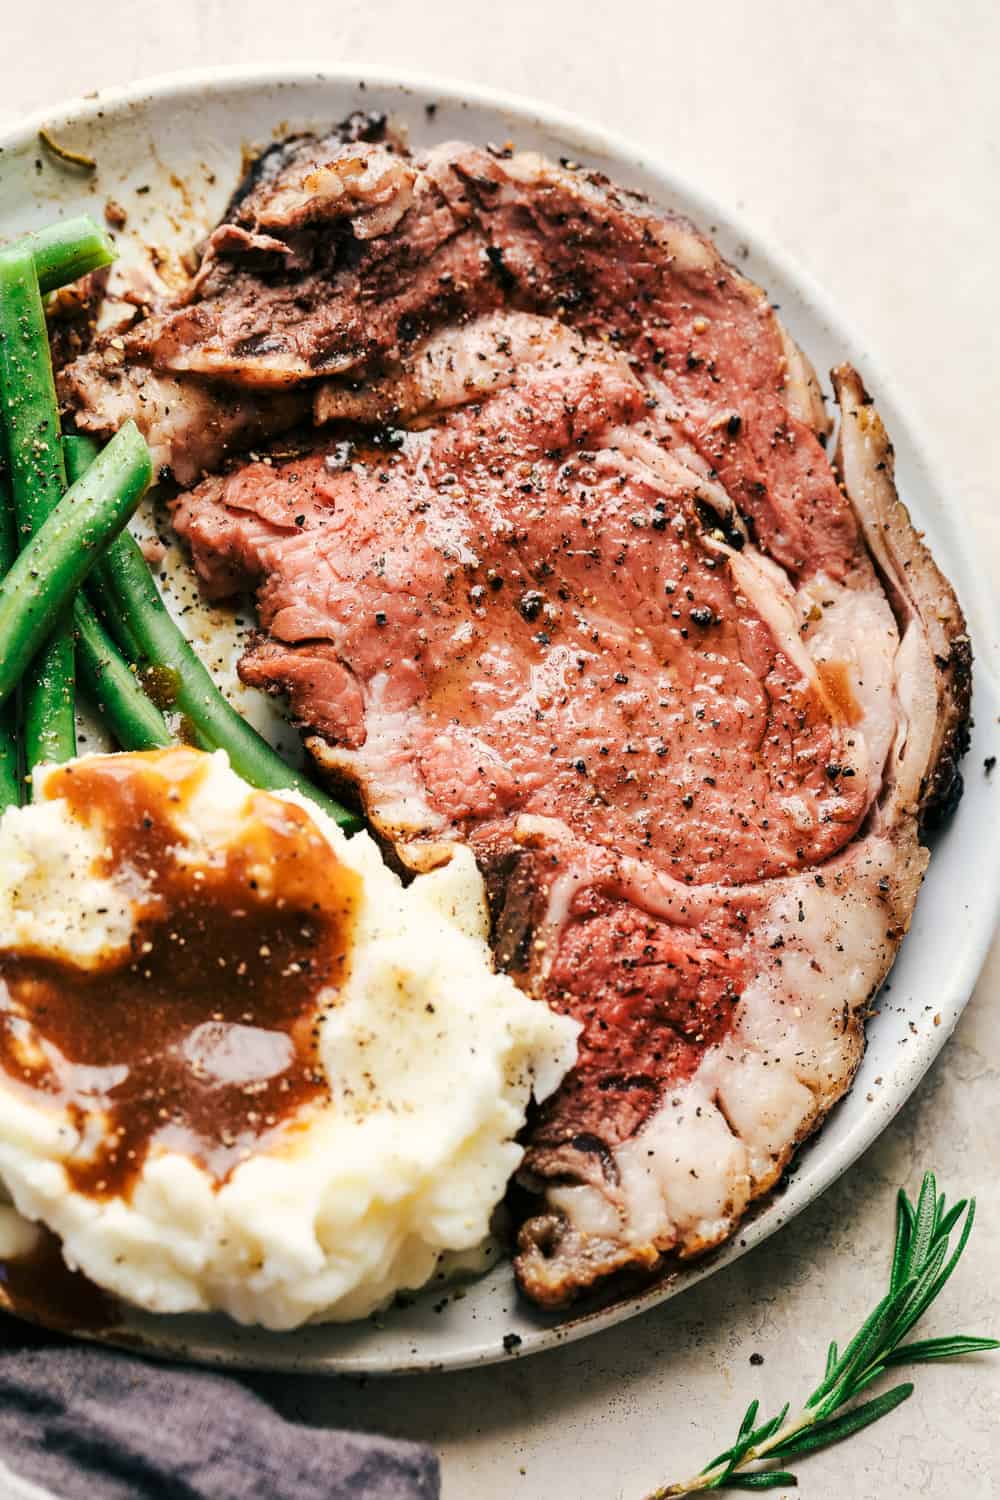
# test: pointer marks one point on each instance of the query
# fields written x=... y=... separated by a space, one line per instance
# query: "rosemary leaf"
x=952 y=1217
x=963 y=1240
x=729 y=1456
x=766 y=1479
x=837 y=1428
x=749 y=1418
x=904 y=1234
x=926 y=1349
x=925 y=1222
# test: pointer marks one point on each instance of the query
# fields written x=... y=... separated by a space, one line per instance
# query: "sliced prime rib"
x=566 y=573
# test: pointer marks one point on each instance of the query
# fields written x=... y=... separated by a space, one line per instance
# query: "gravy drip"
x=41 y=1287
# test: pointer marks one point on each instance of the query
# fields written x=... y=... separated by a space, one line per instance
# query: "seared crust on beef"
x=913 y=582
x=945 y=785
x=264 y=167
x=516 y=898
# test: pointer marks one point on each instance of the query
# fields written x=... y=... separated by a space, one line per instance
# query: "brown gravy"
x=41 y=1287
x=203 y=1040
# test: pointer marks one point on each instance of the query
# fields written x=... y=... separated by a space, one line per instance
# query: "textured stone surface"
x=865 y=140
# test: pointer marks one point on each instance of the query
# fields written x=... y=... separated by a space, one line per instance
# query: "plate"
x=169 y=152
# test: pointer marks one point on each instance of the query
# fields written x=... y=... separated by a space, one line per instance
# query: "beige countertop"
x=865 y=140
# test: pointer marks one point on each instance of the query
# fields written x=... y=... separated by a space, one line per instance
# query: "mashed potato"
x=428 y=1060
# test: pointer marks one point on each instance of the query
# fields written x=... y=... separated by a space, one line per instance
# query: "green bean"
x=132 y=717
x=126 y=594
x=10 y=781
x=37 y=481
x=78 y=455
x=48 y=704
x=50 y=568
x=65 y=251
x=60 y=254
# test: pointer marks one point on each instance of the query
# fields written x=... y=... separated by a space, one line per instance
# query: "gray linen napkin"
x=91 y=1424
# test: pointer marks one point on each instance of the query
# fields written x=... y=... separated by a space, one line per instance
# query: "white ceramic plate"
x=170 y=152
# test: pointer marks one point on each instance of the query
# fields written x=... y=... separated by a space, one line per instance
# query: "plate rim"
x=707 y=209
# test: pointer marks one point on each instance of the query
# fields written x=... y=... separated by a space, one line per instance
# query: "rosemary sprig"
x=921 y=1264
